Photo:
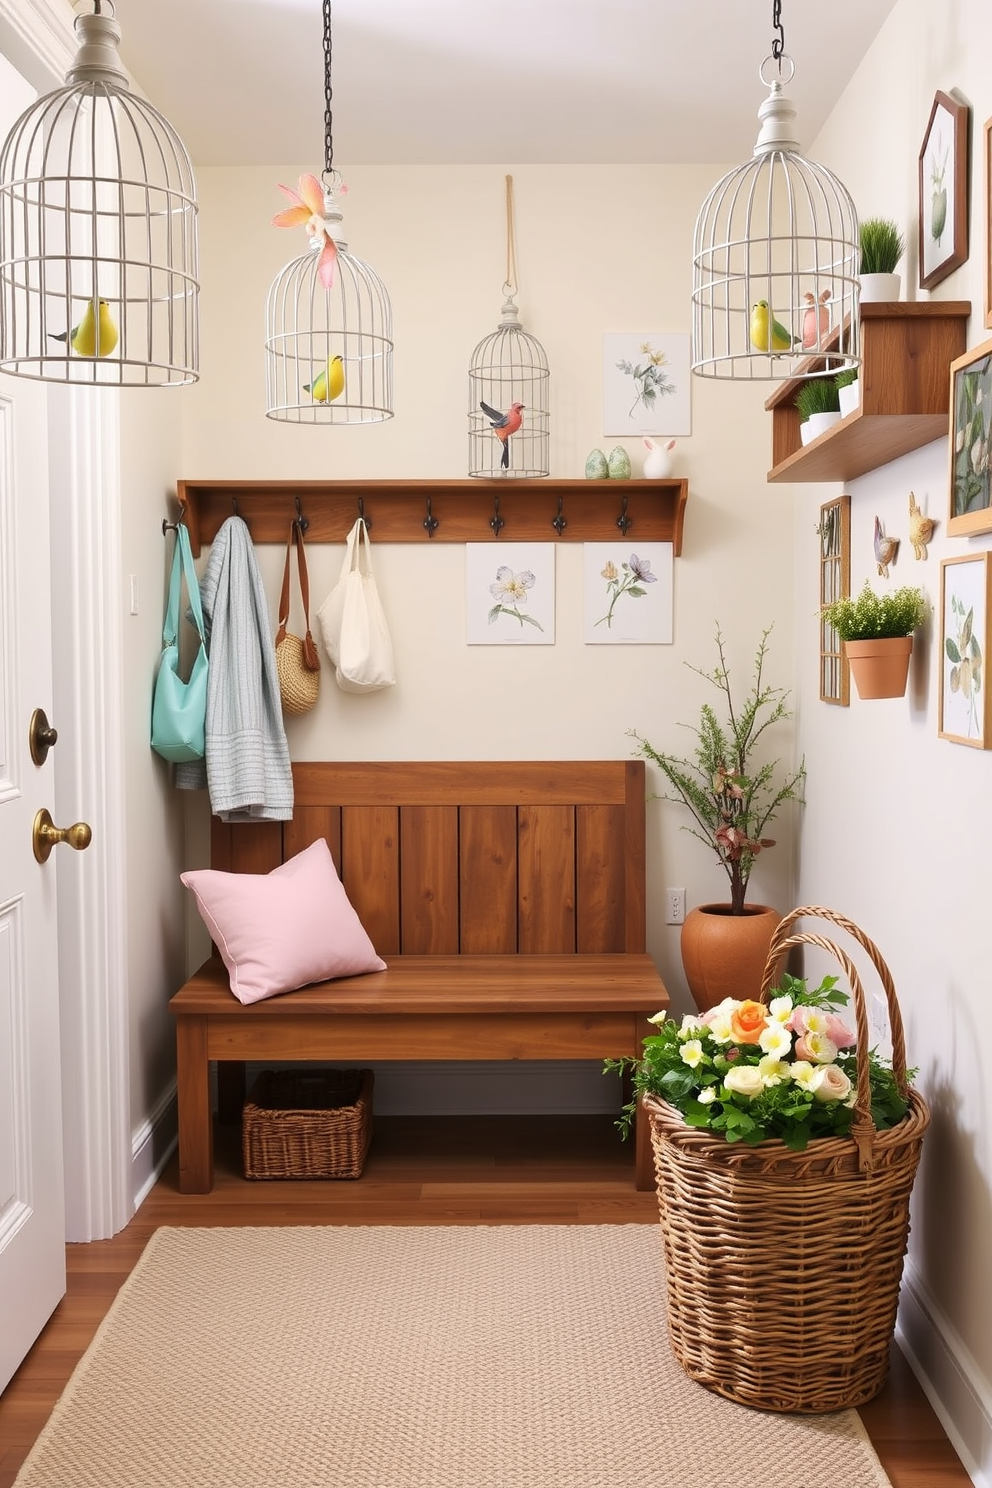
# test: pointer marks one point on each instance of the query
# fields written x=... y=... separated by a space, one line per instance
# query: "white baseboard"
x=153 y=1144
x=950 y=1377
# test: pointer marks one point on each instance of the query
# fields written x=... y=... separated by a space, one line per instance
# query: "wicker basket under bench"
x=507 y=898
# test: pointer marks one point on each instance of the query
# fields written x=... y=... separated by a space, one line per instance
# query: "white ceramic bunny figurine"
x=658 y=460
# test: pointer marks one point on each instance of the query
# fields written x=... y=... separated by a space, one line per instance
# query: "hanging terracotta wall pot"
x=723 y=954
x=880 y=668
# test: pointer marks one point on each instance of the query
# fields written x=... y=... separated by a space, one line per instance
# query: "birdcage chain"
x=778 y=42
x=329 y=173
x=510 y=287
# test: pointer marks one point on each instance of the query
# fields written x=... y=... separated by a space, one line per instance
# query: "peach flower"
x=747 y=1021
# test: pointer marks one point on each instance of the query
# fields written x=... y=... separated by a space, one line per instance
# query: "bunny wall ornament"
x=658 y=460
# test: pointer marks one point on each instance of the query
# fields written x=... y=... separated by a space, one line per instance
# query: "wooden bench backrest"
x=474 y=858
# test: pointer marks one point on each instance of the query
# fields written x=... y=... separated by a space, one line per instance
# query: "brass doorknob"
x=45 y=835
x=41 y=736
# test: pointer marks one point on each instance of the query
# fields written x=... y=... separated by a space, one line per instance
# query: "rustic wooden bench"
x=507 y=898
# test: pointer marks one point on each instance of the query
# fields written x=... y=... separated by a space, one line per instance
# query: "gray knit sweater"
x=247 y=769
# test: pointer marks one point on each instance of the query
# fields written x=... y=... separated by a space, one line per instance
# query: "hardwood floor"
x=420 y=1171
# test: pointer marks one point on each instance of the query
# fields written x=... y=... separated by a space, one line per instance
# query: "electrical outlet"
x=674 y=906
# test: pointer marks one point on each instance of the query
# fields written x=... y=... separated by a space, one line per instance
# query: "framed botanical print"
x=965 y=603
x=987 y=173
x=971 y=436
x=943 y=168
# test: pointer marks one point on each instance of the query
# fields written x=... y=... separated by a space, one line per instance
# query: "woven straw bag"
x=297 y=661
x=784 y=1267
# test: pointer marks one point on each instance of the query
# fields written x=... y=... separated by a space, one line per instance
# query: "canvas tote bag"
x=297 y=661
x=352 y=623
x=179 y=708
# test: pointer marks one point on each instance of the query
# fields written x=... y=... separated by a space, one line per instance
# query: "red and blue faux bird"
x=503 y=425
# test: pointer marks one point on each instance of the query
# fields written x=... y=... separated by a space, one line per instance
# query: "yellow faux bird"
x=330 y=384
x=95 y=335
x=767 y=333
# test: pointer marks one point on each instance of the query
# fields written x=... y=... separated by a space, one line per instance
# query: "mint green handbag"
x=179 y=708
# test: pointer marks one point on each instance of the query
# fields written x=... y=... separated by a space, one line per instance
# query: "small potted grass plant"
x=877 y=632
x=848 y=395
x=819 y=407
x=882 y=246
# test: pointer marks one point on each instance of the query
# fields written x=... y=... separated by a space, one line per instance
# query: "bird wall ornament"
x=920 y=528
x=886 y=549
x=503 y=426
x=95 y=334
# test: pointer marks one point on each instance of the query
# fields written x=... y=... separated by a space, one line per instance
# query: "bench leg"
x=196 y=1132
x=643 y=1155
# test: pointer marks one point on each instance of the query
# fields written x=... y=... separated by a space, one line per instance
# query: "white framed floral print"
x=510 y=594
x=965 y=604
x=646 y=383
x=628 y=593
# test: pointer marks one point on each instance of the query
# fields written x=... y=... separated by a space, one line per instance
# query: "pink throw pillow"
x=285 y=929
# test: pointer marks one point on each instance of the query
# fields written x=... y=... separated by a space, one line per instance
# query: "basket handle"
x=862 y=1127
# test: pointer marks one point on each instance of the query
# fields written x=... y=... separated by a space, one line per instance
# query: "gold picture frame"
x=970 y=443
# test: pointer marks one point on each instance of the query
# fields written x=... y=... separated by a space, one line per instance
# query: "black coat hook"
x=168 y=526
x=361 y=514
x=496 y=521
x=301 y=521
x=623 y=521
x=559 y=523
x=431 y=522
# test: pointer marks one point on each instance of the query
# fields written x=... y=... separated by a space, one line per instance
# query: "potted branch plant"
x=733 y=793
x=819 y=407
x=877 y=631
x=882 y=246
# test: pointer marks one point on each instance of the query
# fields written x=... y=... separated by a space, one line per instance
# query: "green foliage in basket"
x=817 y=395
x=732 y=796
x=882 y=245
x=870 y=616
x=754 y=1070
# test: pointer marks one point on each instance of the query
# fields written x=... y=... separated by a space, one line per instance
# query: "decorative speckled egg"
x=619 y=464
x=596 y=466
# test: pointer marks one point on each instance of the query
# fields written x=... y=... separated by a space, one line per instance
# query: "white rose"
x=829 y=1083
x=744 y=1080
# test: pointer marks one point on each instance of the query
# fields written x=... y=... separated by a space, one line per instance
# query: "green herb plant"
x=870 y=616
x=817 y=395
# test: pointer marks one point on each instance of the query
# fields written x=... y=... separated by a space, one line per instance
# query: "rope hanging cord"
x=510 y=286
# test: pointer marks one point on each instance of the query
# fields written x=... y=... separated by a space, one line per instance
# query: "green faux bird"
x=95 y=335
x=767 y=333
x=330 y=384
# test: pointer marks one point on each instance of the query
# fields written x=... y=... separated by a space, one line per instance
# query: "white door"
x=32 y=1226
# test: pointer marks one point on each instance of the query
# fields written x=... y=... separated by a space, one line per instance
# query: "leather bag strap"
x=182 y=567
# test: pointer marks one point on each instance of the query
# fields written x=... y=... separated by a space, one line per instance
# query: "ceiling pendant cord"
x=776 y=256
x=328 y=334
x=509 y=367
x=98 y=230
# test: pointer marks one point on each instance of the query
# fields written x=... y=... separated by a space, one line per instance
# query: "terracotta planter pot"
x=723 y=954
x=880 y=668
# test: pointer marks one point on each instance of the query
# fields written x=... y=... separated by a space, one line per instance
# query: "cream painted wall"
x=893 y=833
x=597 y=250
x=150 y=442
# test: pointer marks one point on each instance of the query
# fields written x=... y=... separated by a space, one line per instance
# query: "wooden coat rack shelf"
x=400 y=511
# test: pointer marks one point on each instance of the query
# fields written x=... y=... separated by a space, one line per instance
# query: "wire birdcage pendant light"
x=98 y=231
x=775 y=285
x=508 y=390
x=328 y=320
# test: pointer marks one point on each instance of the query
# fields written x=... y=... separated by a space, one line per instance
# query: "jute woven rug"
x=374 y=1357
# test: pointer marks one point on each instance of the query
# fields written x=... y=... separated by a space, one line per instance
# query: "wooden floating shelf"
x=397 y=510
x=906 y=350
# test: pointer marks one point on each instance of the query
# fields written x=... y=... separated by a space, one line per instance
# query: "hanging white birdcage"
x=509 y=367
x=328 y=320
x=509 y=384
x=775 y=262
x=98 y=231
x=307 y=327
